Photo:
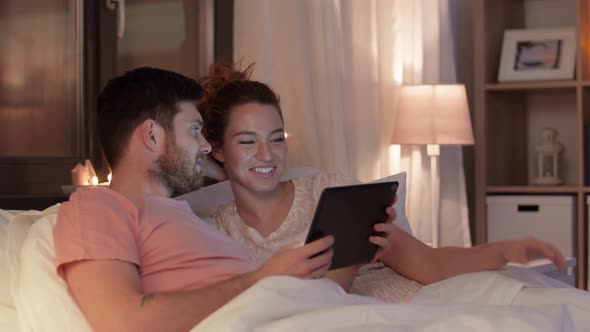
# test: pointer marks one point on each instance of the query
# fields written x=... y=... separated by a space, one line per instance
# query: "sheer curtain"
x=426 y=56
x=336 y=65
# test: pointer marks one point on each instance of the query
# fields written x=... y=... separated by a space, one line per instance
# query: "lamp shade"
x=432 y=114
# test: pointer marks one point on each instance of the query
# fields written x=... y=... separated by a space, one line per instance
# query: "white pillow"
x=205 y=201
x=5 y=298
x=16 y=233
x=8 y=319
x=8 y=316
x=42 y=298
x=400 y=206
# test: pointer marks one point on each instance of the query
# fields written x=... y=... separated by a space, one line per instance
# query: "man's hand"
x=309 y=261
x=523 y=251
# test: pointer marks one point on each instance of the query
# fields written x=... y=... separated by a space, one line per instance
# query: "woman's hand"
x=386 y=228
x=212 y=169
x=523 y=251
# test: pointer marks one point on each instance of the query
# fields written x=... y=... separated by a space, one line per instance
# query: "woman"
x=244 y=124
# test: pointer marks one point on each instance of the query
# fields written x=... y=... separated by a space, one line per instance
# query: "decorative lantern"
x=548 y=151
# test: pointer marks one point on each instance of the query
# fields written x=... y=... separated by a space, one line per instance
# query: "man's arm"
x=417 y=261
x=110 y=296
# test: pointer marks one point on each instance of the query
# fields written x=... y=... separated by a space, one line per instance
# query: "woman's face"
x=254 y=152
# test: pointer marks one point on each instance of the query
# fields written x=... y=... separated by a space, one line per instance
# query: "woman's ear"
x=218 y=155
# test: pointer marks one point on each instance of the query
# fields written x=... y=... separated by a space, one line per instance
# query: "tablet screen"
x=349 y=213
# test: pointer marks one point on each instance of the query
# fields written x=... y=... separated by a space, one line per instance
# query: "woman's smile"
x=265 y=172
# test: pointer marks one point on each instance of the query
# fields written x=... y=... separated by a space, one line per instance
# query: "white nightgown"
x=372 y=280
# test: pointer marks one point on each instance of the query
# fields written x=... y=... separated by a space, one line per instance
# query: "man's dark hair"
x=140 y=94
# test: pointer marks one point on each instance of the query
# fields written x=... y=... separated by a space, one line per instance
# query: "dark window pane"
x=40 y=78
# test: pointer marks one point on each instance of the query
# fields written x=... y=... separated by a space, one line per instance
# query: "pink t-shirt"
x=172 y=247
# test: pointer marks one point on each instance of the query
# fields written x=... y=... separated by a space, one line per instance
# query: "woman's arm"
x=344 y=276
x=415 y=260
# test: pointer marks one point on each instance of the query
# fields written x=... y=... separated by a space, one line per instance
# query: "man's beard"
x=176 y=170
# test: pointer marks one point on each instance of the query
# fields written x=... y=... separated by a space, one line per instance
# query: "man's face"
x=180 y=167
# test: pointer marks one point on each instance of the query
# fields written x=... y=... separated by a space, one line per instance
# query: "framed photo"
x=538 y=54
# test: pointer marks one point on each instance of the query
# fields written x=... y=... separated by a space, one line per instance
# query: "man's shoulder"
x=95 y=202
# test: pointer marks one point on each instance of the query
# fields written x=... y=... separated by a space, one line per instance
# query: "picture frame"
x=538 y=54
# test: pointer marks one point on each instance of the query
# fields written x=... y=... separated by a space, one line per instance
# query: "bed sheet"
x=290 y=304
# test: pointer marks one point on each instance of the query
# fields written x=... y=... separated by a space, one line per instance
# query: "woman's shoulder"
x=224 y=215
x=315 y=183
x=325 y=179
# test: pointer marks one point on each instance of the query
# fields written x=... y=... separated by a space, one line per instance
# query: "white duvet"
x=507 y=300
x=495 y=301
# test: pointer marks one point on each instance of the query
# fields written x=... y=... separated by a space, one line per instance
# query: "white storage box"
x=548 y=218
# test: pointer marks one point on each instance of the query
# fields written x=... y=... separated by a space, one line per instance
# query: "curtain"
x=426 y=56
x=337 y=65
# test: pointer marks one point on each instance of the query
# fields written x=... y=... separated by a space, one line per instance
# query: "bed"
x=33 y=298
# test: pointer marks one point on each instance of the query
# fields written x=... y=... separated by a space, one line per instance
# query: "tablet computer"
x=349 y=213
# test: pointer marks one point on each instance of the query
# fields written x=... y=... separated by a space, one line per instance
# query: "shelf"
x=509 y=115
x=532 y=85
x=534 y=189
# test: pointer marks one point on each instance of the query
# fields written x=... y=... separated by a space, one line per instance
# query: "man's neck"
x=133 y=183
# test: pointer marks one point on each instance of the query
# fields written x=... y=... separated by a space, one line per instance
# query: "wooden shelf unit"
x=530 y=85
x=533 y=190
x=509 y=115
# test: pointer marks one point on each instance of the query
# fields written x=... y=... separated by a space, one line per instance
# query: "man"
x=134 y=258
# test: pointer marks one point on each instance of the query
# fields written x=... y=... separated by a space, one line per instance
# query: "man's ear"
x=218 y=155
x=152 y=134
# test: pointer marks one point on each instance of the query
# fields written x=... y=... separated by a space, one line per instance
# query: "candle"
x=79 y=175
x=90 y=168
x=94 y=180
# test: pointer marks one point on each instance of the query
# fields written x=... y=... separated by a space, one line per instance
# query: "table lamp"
x=433 y=115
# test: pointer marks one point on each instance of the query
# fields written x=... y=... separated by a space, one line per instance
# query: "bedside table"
x=546 y=267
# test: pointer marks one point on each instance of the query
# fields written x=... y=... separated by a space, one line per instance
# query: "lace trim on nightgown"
x=289 y=232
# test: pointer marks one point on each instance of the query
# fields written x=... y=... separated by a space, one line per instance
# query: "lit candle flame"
x=94 y=180
x=109 y=177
